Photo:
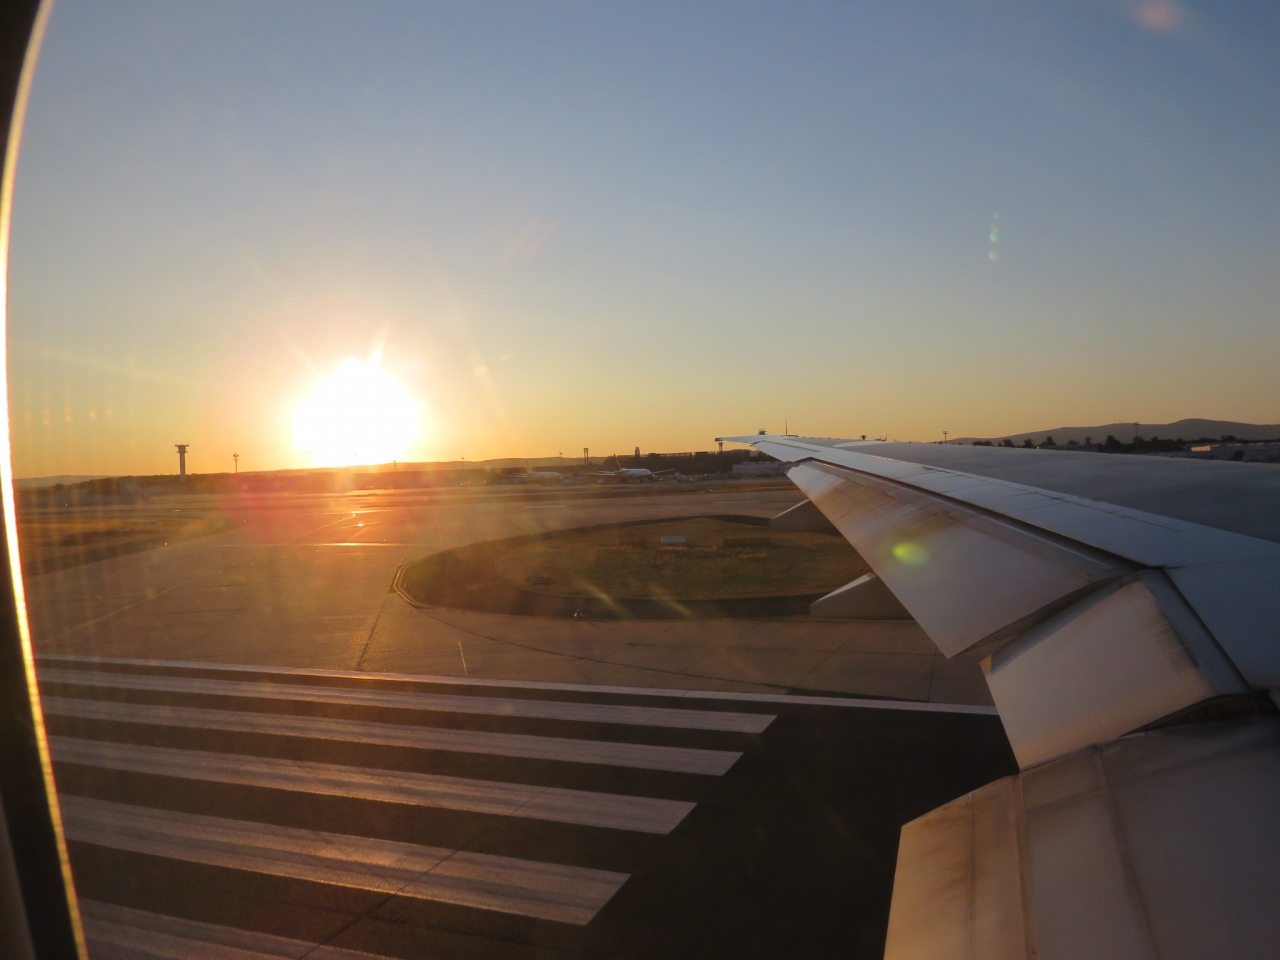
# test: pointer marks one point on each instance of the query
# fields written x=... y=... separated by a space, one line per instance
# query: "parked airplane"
x=632 y=474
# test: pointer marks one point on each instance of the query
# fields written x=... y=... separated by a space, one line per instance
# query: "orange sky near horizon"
x=635 y=227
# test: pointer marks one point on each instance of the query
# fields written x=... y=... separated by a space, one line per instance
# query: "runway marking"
x=721 y=720
x=636 y=755
x=122 y=933
x=547 y=891
x=795 y=699
x=580 y=807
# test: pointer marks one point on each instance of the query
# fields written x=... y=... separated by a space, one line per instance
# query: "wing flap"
x=963 y=576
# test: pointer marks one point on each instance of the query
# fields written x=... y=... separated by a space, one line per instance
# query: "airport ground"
x=284 y=758
x=306 y=581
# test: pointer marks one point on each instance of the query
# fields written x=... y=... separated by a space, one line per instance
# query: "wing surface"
x=976 y=555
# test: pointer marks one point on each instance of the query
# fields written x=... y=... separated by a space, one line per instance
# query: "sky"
x=569 y=225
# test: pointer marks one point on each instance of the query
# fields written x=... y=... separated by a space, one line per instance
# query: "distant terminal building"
x=1236 y=451
x=699 y=463
x=742 y=471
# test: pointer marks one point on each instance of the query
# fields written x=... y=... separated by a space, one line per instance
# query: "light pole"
x=236 y=458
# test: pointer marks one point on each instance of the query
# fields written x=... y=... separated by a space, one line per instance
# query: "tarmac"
x=262 y=751
x=307 y=582
x=296 y=814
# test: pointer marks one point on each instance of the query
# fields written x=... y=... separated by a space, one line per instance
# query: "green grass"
x=720 y=561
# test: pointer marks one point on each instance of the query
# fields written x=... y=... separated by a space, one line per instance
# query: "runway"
x=261 y=816
x=306 y=582
x=263 y=751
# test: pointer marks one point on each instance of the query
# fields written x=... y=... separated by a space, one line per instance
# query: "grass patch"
x=55 y=543
x=725 y=566
x=715 y=561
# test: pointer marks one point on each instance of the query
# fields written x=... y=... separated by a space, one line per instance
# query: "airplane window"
x=553 y=480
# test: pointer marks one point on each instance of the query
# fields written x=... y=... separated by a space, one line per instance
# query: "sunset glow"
x=1071 y=218
x=359 y=414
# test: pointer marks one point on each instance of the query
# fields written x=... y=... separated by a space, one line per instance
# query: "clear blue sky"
x=607 y=225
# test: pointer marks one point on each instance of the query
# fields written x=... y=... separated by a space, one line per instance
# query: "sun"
x=357 y=415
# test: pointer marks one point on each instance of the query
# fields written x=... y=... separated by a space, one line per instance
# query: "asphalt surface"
x=375 y=779
x=307 y=582
x=664 y=826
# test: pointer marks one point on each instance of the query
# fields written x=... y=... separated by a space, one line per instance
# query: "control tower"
x=182 y=460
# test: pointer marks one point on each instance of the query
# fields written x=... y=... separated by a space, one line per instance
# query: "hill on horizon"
x=1188 y=429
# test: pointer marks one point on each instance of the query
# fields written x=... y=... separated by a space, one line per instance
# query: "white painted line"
x=581 y=807
x=797 y=699
x=527 y=888
x=122 y=933
x=440 y=702
x=640 y=756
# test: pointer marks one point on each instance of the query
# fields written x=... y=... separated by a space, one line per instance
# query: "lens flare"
x=1161 y=16
x=358 y=415
x=911 y=554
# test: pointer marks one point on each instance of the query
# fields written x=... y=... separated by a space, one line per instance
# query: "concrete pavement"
x=264 y=752
x=281 y=814
x=306 y=582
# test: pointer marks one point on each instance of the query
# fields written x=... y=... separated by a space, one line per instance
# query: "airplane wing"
x=1129 y=610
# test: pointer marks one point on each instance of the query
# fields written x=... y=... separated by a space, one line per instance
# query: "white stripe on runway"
x=122 y=933
x=442 y=702
x=684 y=693
x=640 y=756
x=613 y=811
x=546 y=891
